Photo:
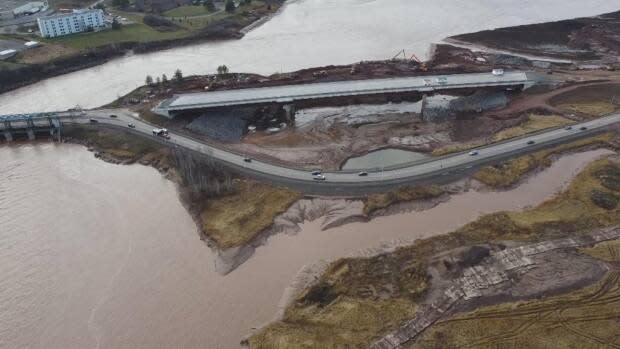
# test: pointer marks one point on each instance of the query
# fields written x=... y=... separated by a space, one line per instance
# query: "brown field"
x=235 y=219
x=588 y=318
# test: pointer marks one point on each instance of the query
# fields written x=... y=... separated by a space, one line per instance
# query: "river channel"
x=95 y=255
x=306 y=33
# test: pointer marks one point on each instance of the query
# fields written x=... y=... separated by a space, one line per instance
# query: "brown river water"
x=95 y=255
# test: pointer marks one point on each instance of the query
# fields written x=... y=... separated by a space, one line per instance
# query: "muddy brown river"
x=94 y=255
x=307 y=33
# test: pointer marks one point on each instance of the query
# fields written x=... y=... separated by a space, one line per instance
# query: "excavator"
x=413 y=57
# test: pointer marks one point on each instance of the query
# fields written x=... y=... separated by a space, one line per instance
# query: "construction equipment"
x=413 y=57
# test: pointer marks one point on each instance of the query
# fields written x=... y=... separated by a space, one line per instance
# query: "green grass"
x=187 y=11
x=137 y=32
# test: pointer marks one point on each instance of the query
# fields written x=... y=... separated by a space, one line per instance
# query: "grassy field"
x=379 y=201
x=137 y=32
x=187 y=11
x=587 y=318
x=197 y=17
x=389 y=286
x=234 y=220
x=510 y=172
x=589 y=101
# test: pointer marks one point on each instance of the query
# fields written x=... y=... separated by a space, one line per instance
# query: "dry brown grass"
x=534 y=123
x=510 y=172
x=121 y=146
x=379 y=201
x=234 y=220
x=354 y=302
x=589 y=101
x=381 y=287
x=44 y=53
x=587 y=318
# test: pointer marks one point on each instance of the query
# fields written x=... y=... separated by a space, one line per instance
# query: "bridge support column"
x=8 y=135
x=289 y=112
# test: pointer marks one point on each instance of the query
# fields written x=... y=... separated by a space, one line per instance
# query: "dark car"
x=247 y=159
x=316 y=172
x=131 y=125
x=363 y=174
x=113 y=115
x=530 y=142
x=93 y=121
x=583 y=128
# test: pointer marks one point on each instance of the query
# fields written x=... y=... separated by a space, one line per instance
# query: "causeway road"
x=343 y=183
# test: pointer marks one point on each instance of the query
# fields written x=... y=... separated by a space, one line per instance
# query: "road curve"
x=343 y=183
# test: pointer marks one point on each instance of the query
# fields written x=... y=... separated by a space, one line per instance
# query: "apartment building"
x=76 y=22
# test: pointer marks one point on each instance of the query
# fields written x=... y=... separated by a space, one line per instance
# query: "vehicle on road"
x=93 y=121
x=568 y=128
x=114 y=116
x=247 y=159
x=160 y=132
x=473 y=153
x=316 y=172
x=497 y=72
x=442 y=80
x=530 y=142
x=583 y=128
x=319 y=177
x=363 y=174
x=130 y=125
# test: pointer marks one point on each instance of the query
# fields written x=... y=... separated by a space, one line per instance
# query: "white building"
x=30 y=8
x=76 y=22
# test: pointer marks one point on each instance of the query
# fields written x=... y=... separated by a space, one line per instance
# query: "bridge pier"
x=289 y=112
x=8 y=135
x=29 y=125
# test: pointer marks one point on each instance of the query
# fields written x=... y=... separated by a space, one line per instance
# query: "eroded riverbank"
x=101 y=253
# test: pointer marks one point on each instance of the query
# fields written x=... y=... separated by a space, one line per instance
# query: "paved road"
x=341 y=182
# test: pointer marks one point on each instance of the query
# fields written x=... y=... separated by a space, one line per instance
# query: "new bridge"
x=289 y=94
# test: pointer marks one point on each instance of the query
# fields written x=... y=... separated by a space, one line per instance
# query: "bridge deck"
x=290 y=93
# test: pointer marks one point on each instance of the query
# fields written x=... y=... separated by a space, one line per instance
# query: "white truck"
x=161 y=132
x=497 y=72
